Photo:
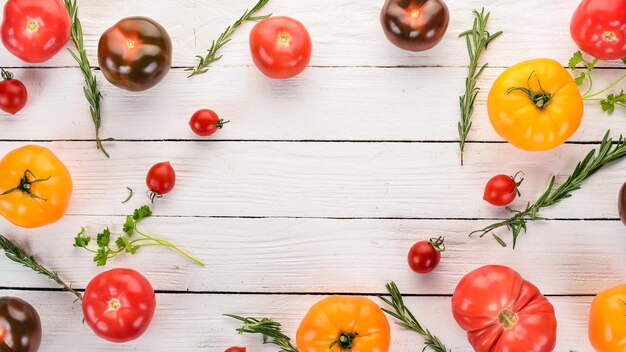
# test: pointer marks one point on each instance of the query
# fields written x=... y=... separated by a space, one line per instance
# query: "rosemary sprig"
x=271 y=331
x=91 y=87
x=211 y=55
x=607 y=152
x=477 y=39
x=16 y=253
x=407 y=319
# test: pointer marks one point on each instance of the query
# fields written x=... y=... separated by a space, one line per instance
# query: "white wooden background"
x=319 y=185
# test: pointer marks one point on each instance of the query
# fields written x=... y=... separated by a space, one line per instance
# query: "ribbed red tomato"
x=119 y=304
x=599 y=28
x=236 y=349
x=502 y=312
x=280 y=46
x=35 y=30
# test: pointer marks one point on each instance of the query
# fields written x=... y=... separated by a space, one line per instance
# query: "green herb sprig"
x=125 y=242
x=477 y=39
x=16 y=253
x=91 y=86
x=408 y=321
x=211 y=55
x=607 y=103
x=606 y=153
x=270 y=330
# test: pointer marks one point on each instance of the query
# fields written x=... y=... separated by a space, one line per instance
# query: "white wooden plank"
x=346 y=33
x=413 y=180
x=300 y=255
x=418 y=104
x=195 y=323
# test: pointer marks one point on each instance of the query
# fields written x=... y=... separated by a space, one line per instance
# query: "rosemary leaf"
x=271 y=331
x=477 y=39
x=17 y=254
x=91 y=86
x=408 y=321
x=606 y=153
x=211 y=55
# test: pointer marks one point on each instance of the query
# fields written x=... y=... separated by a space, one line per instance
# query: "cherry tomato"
x=599 y=28
x=35 y=30
x=20 y=326
x=501 y=190
x=280 y=47
x=13 y=93
x=414 y=25
x=236 y=349
x=135 y=54
x=424 y=256
x=119 y=304
x=205 y=122
x=160 y=179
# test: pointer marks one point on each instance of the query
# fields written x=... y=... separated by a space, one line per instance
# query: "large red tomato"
x=599 y=28
x=119 y=304
x=502 y=312
x=35 y=30
x=280 y=46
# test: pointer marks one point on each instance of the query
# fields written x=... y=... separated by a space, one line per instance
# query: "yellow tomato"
x=535 y=105
x=35 y=187
x=344 y=323
x=607 y=320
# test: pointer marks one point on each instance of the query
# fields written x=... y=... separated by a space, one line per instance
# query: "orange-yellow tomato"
x=35 y=187
x=347 y=324
x=535 y=105
x=607 y=320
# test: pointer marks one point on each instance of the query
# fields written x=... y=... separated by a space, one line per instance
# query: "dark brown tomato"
x=135 y=54
x=20 y=326
x=415 y=25
x=622 y=204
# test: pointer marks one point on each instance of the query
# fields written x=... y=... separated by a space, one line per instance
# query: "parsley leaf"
x=104 y=238
x=102 y=256
x=624 y=59
x=141 y=213
x=608 y=104
x=129 y=226
x=580 y=79
x=80 y=240
x=575 y=60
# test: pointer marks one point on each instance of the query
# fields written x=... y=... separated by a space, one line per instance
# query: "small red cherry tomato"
x=424 y=256
x=236 y=349
x=160 y=179
x=599 y=28
x=119 y=304
x=501 y=190
x=13 y=93
x=35 y=30
x=280 y=47
x=205 y=122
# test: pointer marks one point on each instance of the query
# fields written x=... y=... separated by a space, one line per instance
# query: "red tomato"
x=501 y=190
x=35 y=30
x=205 y=122
x=13 y=93
x=280 y=46
x=424 y=256
x=161 y=178
x=119 y=304
x=599 y=28
x=502 y=312
x=236 y=349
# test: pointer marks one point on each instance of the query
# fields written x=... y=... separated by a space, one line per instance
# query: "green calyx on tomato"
x=135 y=54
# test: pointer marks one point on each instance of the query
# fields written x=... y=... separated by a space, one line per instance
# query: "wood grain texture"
x=345 y=33
x=390 y=180
x=323 y=255
x=394 y=104
x=199 y=319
